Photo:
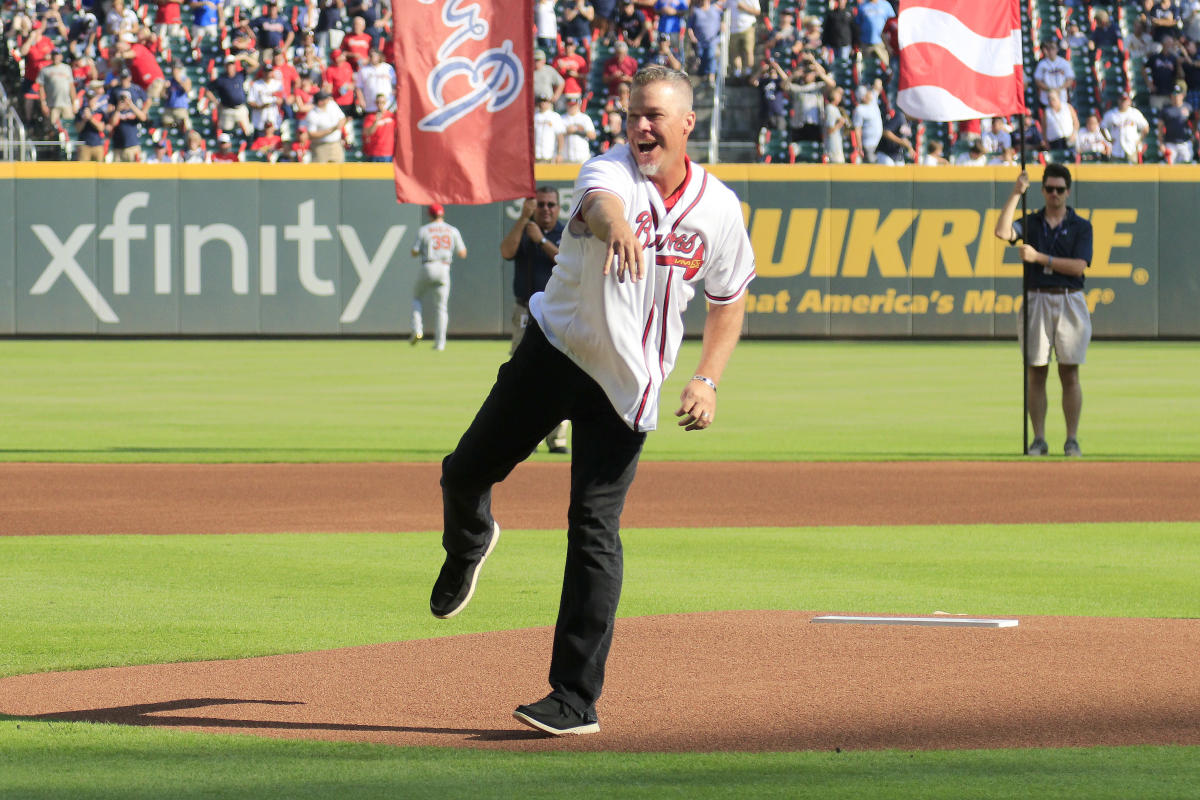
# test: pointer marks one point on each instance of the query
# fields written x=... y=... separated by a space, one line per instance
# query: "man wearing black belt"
x=1056 y=248
x=532 y=244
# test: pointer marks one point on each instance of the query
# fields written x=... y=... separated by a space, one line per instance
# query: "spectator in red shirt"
x=225 y=151
x=167 y=20
x=36 y=51
x=268 y=146
x=302 y=100
x=299 y=149
x=287 y=74
x=338 y=80
x=143 y=66
x=357 y=44
x=573 y=67
x=620 y=68
x=379 y=131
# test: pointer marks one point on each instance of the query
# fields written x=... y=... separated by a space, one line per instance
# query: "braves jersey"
x=438 y=241
x=626 y=336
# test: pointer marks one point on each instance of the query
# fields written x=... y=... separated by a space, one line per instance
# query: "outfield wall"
x=245 y=249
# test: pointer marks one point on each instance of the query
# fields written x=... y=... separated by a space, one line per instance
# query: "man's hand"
x=1029 y=254
x=1022 y=184
x=625 y=251
x=697 y=405
x=604 y=214
x=528 y=207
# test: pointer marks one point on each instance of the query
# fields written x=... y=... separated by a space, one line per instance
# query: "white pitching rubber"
x=943 y=622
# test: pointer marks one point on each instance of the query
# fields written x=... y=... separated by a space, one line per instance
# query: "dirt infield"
x=750 y=680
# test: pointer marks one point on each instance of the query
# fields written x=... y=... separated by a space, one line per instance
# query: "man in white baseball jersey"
x=646 y=227
x=549 y=131
x=437 y=244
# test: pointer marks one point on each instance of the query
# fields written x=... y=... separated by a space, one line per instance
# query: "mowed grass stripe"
x=370 y=400
x=73 y=602
x=44 y=761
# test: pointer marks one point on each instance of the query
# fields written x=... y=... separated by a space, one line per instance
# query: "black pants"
x=537 y=389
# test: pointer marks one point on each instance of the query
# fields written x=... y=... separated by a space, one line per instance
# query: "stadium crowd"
x=311 y=80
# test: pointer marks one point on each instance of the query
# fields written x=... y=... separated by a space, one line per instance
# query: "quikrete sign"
x=853 y=243
x=878 y=246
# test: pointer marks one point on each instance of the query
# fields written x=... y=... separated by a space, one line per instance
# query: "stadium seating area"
x=1102 y=73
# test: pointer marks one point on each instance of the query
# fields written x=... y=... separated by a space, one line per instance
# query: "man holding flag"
x=1056 y=249
x=961 y=60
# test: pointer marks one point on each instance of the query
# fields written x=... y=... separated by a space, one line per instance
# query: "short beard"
x=649 y=170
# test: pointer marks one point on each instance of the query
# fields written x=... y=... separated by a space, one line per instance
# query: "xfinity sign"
x=213 y=254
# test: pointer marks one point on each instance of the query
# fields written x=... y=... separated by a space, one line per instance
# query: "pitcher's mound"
x=750 y=680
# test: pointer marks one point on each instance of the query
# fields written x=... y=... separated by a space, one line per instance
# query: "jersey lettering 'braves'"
x=626 y=336
x=438 y=241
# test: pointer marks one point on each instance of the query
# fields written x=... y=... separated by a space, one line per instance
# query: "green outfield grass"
x=74 y=602
x=385 y=401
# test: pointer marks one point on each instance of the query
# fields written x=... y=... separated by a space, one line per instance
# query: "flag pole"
x=1024 y=307
x=1024 y=272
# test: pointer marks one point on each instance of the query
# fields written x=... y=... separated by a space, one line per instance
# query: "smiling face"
x=659 y=123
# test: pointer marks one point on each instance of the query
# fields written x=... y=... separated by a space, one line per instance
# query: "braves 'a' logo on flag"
x=495 y=77
x=960 y=59
x=464 y=103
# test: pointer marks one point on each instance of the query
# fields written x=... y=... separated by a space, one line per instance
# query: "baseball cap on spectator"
x=1180 y=88
x=436 y=210
x=539 y=55
x=321 y=95
x=572 y=98
x=224 y=137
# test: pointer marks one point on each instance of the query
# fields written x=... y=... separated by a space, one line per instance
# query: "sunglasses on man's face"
x=1055 y=189
x=547 y=205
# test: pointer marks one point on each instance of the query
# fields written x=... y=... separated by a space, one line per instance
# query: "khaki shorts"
x=1059 y=323
x=328 y=153
x=89 y=152
x=229 y=117
x=177 y=116
x=127 y=155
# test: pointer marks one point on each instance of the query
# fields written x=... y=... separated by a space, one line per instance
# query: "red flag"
x=960 y=59
x=464 y=103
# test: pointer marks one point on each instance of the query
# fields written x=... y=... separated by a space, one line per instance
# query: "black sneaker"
x=1071 y=449
x=555 y=717
x=455 y=584
x=1038 y=447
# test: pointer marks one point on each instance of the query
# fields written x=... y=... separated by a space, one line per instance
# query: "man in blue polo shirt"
x=1056 y=248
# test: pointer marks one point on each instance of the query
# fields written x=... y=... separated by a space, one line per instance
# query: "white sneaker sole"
x=591 y=727
x=475 y=574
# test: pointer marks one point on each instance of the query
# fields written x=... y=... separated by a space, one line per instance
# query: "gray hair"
x=655 y=73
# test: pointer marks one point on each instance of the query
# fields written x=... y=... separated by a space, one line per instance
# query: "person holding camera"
x=124 y=128
x=91 y=126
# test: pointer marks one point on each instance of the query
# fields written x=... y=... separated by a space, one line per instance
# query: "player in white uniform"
x=647 y=226
x=437 y=244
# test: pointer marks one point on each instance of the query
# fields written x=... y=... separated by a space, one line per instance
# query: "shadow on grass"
x=152 y=715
